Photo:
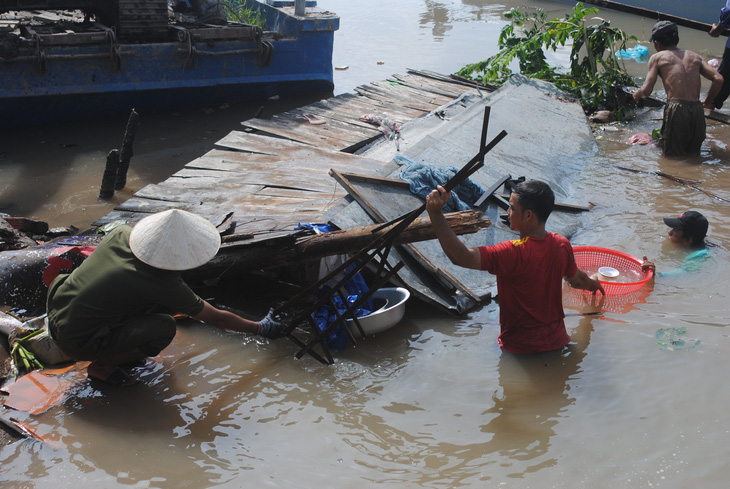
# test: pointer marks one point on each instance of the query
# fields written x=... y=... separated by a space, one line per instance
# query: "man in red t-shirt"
x=529 y=270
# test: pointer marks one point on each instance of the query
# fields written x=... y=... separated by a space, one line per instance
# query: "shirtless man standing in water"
x=683 y=128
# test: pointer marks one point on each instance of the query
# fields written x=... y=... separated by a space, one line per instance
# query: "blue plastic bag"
x=636 y=52
x=336 y=339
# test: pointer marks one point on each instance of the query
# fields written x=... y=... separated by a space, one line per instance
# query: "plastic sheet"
x=637 y=52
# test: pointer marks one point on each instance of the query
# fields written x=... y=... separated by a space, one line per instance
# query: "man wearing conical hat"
x=107 y=310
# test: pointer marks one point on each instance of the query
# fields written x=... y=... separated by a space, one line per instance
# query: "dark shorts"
x=150 y=333
x=684 y=127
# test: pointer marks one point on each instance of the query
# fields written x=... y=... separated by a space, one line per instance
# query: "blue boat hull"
x=707 y=11
x=703 y=11
x=87 y=81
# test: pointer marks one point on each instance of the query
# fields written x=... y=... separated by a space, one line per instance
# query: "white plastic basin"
x=388 y=315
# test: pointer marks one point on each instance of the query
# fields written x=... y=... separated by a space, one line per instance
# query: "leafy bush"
x=246 y=12
x=595 y=75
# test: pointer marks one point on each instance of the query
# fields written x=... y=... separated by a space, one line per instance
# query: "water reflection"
x=442 y=16
x=587 y=303
x=534 y=394
x=438 y=15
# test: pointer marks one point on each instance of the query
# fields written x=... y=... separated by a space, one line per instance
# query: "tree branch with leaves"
x=595 y=75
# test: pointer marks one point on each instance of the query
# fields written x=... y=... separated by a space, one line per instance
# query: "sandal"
x=314 y=119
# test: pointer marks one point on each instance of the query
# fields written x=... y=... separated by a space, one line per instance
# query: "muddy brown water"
x=638 y=400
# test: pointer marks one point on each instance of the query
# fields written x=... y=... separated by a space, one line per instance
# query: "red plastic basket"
x=590 y=258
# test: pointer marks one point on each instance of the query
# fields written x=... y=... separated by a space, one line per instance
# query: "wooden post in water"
x=125 y=155
x=110 y=175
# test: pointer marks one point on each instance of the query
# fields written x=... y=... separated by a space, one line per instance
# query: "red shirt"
x=529 y=274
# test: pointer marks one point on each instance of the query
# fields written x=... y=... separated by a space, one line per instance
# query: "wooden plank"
x=354 y=177
x=343 y=112
x=387 y=98
x=378 y=93
x=653 y=14
x=481 y=202
x=237 y=257
x=359 y=197
x=161 y=192
x=289 y=129
x=307 y=157
x=718 y=116
x=304 y=196
x=411 y=94
x=375 y=213
x=135 y=204
x=559 y=206
x=256 y=143
x=347 y=130
x=322 y=109
x=334 y=134
x=431 y=86
x=402 y=95
x=184 y=191
x=339 y=125
x=360 y=106
x=455 y=79
x=654 y=101
x=226 y=182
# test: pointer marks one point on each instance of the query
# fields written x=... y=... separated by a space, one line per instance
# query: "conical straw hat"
x=174 y=240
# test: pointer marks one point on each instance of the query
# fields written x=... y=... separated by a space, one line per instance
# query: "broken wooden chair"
x=298 y=311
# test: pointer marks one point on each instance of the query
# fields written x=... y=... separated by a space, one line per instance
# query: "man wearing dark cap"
x=683 y=128
x=688 y=231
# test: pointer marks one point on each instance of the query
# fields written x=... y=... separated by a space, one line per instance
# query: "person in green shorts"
x=117 y=307
x=683 y=127
x=688 y=231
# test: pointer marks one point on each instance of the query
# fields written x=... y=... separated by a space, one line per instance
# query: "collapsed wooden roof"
x=276 y=173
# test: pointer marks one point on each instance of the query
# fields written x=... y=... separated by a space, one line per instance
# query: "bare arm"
x=226 y=320
x=454 y=248
x=581 y=280
x=716 y=78
x=650 y=81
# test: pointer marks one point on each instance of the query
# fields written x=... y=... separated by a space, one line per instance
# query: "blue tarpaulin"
x=423 y=178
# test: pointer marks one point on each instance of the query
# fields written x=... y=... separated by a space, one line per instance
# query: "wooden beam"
x=481 y=202
x=561 y=207
x=656 y=102
x=242 y=257
x=653 y=14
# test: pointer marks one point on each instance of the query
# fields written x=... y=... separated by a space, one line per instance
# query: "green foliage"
x=595 y=75
x=246 y=12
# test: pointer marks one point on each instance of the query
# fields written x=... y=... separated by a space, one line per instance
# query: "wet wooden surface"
x=548 y=138
x=274 y=173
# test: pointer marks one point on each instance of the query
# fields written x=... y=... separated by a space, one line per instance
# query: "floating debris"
x=672 y=339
